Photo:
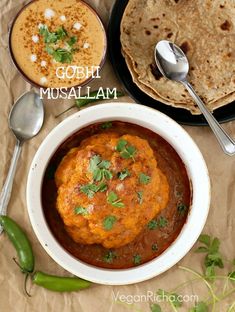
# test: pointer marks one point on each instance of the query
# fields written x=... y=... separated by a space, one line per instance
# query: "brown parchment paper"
x=221 y=220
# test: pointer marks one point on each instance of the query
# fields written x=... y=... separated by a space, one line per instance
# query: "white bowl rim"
x=165 y=127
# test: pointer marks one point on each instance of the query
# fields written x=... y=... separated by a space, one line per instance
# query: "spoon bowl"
x=171 y=61
x=173 y=64
x=25 y=120
x=26 y=116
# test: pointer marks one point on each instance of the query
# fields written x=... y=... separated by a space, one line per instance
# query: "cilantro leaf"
x=102 y=187
x=49 y=37
x=126 y=151
x=61 y=33
x=90 y=189
x=109 y=256
x=140 y=197
x=94 y=161
x=72 y=41
x=121 y=145
x=154 y=307
x=114 y=200
x=108 y=222
x=152 y=225
x=182 y=209
x=49 y=49
x=214 y=247
x=81 y=211
x=136 y=259
x=162 y=222
x=106 y=125
x=62 y=55
x=205 y=239
x=200 y=307
x=144 y=179
x=154 y=247
x=201 y=249
x=123 y=174
x=99 y=168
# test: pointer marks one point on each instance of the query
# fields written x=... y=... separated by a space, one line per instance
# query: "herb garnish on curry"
x=115 y=196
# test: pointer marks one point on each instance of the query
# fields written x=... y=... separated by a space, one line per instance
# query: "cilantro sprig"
x=213 y=256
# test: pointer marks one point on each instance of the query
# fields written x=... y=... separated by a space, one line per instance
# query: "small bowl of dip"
x=58 y=44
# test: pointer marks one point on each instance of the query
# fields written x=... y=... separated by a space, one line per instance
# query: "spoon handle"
x=7 y=187
x=225 y=141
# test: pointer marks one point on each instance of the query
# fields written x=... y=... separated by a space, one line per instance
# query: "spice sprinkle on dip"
x=58 y=43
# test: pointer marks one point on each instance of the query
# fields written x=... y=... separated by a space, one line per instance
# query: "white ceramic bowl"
x=171 y=132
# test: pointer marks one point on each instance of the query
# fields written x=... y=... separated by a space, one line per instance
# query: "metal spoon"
x=25 y=120
x=173 y=64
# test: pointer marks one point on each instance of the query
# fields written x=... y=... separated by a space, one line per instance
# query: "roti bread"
x=205 y=31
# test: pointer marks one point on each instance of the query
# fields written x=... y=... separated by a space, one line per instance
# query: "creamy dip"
x=48 y=34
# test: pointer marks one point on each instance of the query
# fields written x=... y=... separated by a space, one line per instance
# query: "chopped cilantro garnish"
x=91 y=189
x=162 y=222
x=109 y=222
x=140 y=197
x=99 y=168
x=106 y=125
x=49 y=49
x=126 y=151
x=61 y=33
x=81 y=211
x=144 y=179
x=72 y=41
x=110 y=256
x=152 y=225
x=137 y=259
x=51 y=39
x=62 y=55
x=182 y=209
x=123 y=174
x=154 y=247
x=114 y=200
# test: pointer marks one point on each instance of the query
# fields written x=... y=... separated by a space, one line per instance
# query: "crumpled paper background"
x=99 y=298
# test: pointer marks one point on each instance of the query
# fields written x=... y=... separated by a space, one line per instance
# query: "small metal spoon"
x=25 y=120
x=173 y=64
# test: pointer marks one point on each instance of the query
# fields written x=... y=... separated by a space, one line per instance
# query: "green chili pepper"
x=58 y=283
x=85 y=101
x=20 y=242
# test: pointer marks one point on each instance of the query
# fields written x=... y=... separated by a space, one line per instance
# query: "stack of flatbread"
x=205 y=31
